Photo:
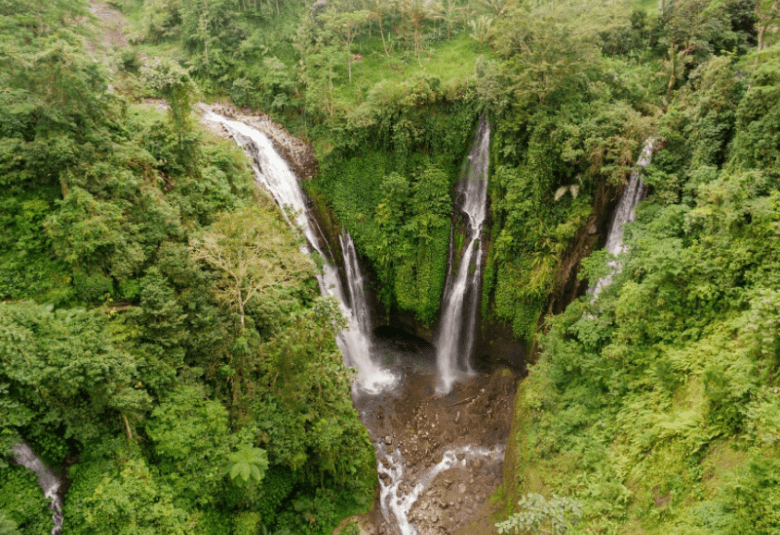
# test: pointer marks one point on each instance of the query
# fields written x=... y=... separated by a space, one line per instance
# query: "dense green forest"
x=184 y=394
x=185 y=399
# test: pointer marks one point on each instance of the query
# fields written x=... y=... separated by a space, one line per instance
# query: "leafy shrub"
x=541 y=516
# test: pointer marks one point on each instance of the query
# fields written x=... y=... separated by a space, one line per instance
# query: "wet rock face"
x=451 y=449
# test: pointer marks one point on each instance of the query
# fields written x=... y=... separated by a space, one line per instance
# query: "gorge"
x=336 y=268
x=404 y=475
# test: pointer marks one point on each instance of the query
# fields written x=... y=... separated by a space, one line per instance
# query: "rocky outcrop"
x=298 y=154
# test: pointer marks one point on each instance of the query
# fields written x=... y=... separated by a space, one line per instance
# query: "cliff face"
x=588 y=238
x=496 y=344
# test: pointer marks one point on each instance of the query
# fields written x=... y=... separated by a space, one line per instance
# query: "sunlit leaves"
x=243 y=247
x=541 y=516
x=247 y=466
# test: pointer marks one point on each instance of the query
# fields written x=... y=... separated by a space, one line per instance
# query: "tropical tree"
x=345 y=25
x=497 y=8
x=768 y=15
x=247 y=466
x=376 y=9
x=129 y=498
x=451 y=13
x=481 y=29
x=414 y=13
x=673 y=67
x=547 y=49
x=243 y=247
x=173 y=83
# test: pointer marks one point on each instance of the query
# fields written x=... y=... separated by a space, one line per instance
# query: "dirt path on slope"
x=113 y=23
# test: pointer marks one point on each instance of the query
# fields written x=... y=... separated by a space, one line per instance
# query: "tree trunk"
x=417 y=47
x=382 y=33
x=127 y=428
x=767 y=19
x=241 y=308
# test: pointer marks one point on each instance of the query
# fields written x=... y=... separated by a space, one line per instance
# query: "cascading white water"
x=632 y=195
x=358 y=351
x=273 y=173
x=455 y=340
x=47 y=480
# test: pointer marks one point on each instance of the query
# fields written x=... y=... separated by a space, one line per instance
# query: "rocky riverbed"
x=440 y=457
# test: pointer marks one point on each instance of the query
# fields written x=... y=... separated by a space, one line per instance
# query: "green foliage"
x=397 y=203
x=654 y=405
x=128 y=499
x=401 y=225
x=247 y=524
x=539 y=515
x=247 y=466
x=190 y=442
x=26 y=268
x=125 y=345
x=7 y=526
x=570 y=121
x=63 y=367
x=243 y=248
x=23 y=508
x=119 y=351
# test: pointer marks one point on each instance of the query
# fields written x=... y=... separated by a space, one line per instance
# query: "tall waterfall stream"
x=633 y=194
x=455 y=342
x=425 y=440
x=273 y=173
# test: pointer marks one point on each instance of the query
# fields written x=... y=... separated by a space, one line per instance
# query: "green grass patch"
x=450 y=61
x=649 y=6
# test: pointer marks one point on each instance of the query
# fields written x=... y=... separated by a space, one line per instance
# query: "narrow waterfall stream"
x=273 y=173
x=455 y=341
x=356 y=342
x=632 y=195
x=48 y=481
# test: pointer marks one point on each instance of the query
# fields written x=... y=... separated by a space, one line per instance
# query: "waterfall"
x=356 y=342
x=47 y=480
x=273 y=173
x=632 y=195
x=455 y=340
